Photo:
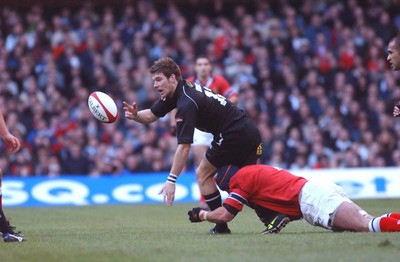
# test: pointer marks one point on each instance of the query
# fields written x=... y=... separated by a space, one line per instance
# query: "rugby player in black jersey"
x=236 y=140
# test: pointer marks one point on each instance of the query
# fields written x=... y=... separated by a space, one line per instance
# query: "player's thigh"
x=205 y=170
x=199 y=152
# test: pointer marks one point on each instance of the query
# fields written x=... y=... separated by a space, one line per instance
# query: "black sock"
x=3 y=222
x=214 y=201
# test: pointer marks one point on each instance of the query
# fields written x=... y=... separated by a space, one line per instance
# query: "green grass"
x=161 y=233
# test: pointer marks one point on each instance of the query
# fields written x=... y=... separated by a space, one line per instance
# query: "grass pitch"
x=161 y=233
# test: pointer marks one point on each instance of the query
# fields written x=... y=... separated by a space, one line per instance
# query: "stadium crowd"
x=313 y=76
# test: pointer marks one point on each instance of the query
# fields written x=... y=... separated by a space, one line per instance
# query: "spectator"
x=74 y=161
x=313 y=77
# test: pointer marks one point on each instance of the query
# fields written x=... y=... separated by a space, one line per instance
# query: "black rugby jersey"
x=199 y=107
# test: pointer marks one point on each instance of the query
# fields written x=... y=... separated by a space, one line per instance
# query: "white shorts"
x=319 y=202
x=201 y=138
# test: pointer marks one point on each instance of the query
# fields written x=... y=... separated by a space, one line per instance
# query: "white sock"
x=386 y=215
x=373 y=225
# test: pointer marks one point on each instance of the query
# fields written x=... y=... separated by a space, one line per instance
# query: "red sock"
x=389 y=224
x=394 y=215
x=202 y=200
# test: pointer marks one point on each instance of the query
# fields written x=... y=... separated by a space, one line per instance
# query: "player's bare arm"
x=172 y=122
x=219 y=215
x=143 y=116
x=234 y=99
x=396 y=110
x=180 y=158
x=11 y=141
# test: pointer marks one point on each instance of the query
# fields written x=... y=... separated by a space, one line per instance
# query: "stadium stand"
x=312 y=75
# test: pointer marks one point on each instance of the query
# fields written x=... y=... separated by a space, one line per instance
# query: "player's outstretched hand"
x=131 y=111
x=168 y=190
x=194 y=215
x=396 y=110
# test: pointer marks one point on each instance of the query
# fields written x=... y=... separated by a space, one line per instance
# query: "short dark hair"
x=203 y=57
x=396 y=41
x=166 y=66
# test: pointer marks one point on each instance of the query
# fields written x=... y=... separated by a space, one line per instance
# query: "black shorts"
x=239 y=146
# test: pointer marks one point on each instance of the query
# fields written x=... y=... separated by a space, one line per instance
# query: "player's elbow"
x=226 y=219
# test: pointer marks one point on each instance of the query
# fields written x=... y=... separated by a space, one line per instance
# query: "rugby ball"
x=103 y=107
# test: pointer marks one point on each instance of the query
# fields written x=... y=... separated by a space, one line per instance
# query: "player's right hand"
x=131 y=111
x=396 y=110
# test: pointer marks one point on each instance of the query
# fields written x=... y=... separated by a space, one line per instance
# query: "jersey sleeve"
x=161 y=108
x=237 y=197
x=186 y=118
x=225 y=88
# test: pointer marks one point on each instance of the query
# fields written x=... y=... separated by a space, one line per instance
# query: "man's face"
x=202 y=67
x=393 y=56
x=165 y=86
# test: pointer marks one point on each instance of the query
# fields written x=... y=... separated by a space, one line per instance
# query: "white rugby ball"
x=103 y=107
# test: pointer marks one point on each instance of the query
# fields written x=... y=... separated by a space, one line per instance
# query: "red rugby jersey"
x=267 y=186
x=216 y=83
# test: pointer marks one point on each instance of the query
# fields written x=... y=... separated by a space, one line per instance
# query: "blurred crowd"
x=313 y=76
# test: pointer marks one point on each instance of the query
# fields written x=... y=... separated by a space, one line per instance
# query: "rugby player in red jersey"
x=263 y=187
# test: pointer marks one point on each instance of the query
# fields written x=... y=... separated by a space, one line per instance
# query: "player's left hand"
x=168 y=190
x=12 y=143
x=194 y=215
x=396 y=110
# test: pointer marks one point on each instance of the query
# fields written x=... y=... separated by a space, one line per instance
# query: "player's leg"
x=198 y=152
x=350 y=216
x=205 y=177
x=201 y=142
x=3 y=222
x=205 y=173
x=384 y=224
x=326 y=205
x=392 y=215
x=7 y=231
